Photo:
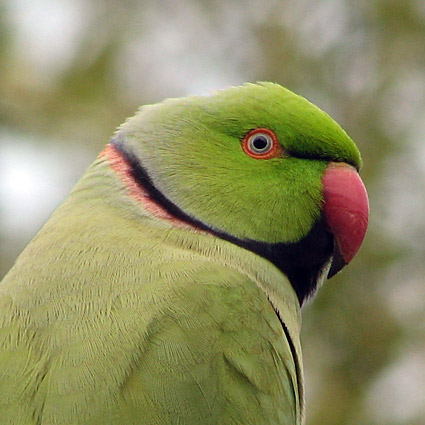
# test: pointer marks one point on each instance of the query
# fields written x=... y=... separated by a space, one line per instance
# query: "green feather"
x=112 y=315
x=180 y=140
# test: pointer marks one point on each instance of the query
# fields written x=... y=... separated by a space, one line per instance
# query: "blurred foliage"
x=363 y=62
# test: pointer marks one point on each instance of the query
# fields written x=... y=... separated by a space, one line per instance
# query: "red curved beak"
x=346 y=211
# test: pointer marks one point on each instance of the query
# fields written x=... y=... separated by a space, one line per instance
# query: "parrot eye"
x=261 y=143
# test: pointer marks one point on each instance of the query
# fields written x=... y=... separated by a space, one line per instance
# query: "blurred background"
x=72 y=70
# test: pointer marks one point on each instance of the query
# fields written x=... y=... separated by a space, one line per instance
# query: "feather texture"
x=166 y=289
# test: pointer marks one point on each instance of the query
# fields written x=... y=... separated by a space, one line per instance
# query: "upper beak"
x=346 y=211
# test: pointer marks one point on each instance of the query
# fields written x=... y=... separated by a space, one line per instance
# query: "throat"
x=305 y=263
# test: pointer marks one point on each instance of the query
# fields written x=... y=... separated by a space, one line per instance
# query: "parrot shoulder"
x=207 y=346
x=216 y=353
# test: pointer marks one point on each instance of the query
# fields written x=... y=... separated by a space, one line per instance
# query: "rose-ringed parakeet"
x=166 y=289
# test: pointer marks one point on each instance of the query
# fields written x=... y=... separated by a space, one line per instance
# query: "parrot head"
x=258 y=166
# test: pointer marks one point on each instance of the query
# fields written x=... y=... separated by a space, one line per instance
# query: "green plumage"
x=113 y=315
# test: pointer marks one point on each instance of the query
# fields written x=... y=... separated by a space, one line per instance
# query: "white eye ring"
x=260 y=143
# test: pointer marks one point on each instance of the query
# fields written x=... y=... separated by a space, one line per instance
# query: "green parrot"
x=167 y=288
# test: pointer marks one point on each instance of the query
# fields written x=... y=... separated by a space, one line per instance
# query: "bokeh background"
x=72 y=70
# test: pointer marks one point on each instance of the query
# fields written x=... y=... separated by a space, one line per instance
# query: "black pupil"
x=260 y=142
